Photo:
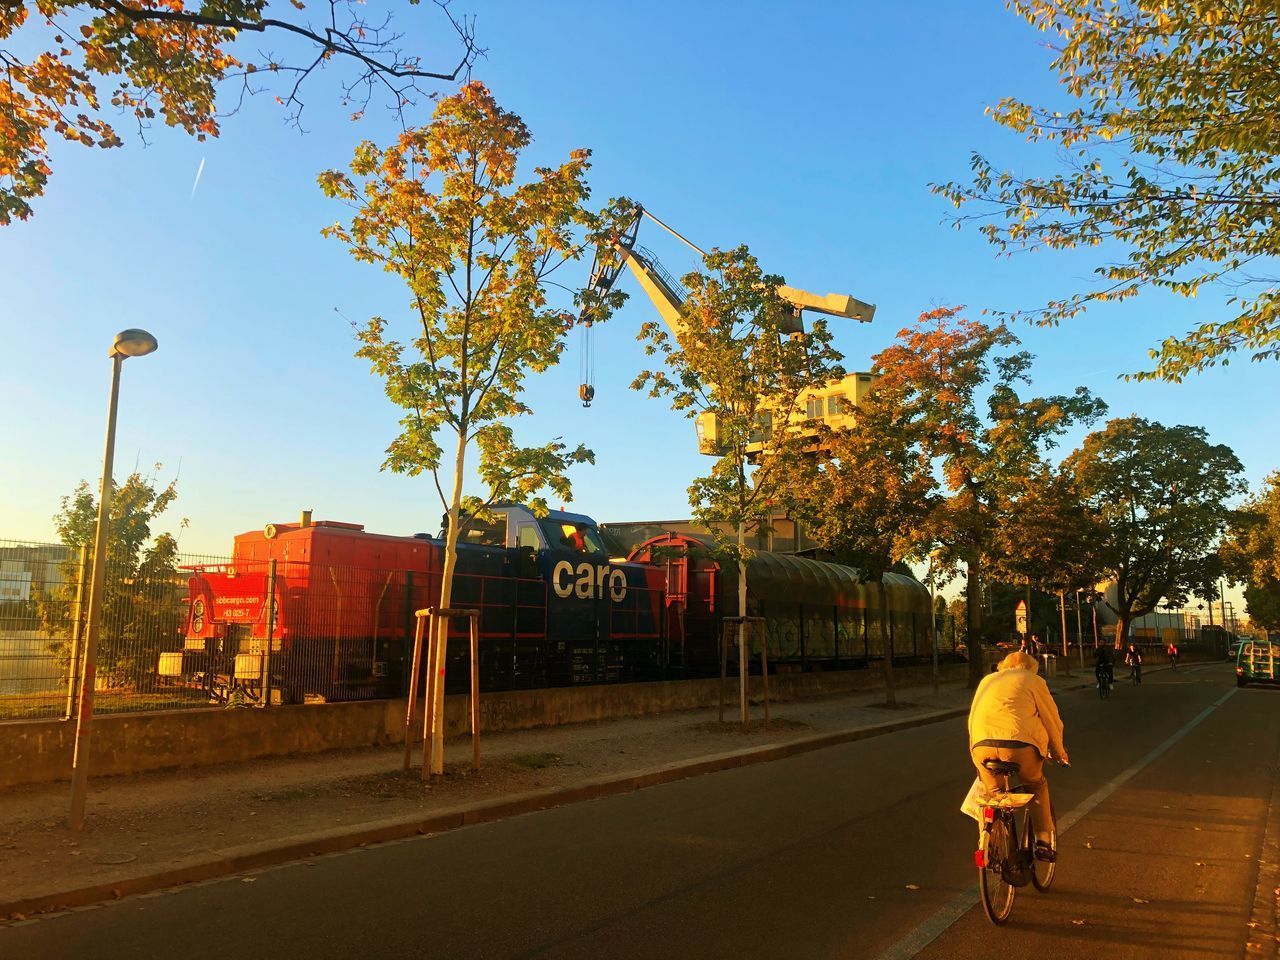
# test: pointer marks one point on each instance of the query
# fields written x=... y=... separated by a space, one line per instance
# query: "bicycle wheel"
x=996 y=894
x=1104 y=689
x=1042 y=872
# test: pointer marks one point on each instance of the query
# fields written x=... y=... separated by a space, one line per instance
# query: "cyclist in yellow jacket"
x=1013 y=718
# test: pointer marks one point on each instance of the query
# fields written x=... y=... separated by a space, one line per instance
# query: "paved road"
x=854 y=851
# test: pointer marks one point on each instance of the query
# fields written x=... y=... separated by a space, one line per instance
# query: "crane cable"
x=587 y=359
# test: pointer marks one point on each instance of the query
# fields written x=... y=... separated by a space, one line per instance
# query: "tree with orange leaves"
x=955 y=382
x=169 y=58
x=867 y=498
x=442 y=208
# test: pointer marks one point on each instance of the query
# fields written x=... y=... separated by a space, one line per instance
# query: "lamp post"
x=933 y=622
x=1079 y=630
x=128 y=343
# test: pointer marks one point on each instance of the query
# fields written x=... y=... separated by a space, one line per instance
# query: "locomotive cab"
x=514 y=526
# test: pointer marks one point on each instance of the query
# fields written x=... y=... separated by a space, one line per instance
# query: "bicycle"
x=1005 y=857
x=1135 y=674
x=1105 y=683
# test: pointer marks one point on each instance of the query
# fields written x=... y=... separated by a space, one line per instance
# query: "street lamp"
x=128 y=343
x=933 y=621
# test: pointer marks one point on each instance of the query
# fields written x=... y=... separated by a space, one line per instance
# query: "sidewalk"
x=153 y=830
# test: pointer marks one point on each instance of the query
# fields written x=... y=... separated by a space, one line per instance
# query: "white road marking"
x=958 y=906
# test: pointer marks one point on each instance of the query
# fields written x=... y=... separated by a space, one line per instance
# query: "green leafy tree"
x=141 y=609
x=733 y=359
x=1162 y=494
x=1263 y=605
x=956 y=383
x=957 y=624
x=868 y=498
x=1048 y=542
x=170 y=58
x=442 y=210
x=1169 y=146
x=1251 y=552
x=1049 y=537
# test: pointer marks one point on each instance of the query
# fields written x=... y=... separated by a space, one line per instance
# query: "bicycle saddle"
x=1000 y=767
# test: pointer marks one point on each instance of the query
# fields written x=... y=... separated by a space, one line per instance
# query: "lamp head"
x=133 y=343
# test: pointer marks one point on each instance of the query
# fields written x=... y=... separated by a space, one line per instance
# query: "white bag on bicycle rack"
x=972 y=806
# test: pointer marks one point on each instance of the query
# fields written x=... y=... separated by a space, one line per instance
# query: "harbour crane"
x=832 y=404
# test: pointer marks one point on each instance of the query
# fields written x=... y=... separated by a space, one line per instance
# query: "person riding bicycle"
x=1104 y=664
x=1133 y=658
x=1173 y=653
x=1013 y=718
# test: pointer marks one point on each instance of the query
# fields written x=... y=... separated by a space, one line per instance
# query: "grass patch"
x=51 y=706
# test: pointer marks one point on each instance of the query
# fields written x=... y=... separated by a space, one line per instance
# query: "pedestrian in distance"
x=1133 y=657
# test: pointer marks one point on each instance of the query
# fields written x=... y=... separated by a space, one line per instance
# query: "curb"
x=257 y=856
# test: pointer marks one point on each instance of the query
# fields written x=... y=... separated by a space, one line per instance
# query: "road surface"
x=853 y=851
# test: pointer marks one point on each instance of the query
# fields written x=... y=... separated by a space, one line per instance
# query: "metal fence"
x=43 y=605
x=198 y=631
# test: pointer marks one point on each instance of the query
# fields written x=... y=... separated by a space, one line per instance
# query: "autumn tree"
x=140 y=608
x=1048 y=540
x=735 y=359
x=1168 y=146
x=173 y=59
x=441 y=209
x=957 y=383
x=1251 y=552
x=1162 y=494
x=867 y=499
x=1049 y=537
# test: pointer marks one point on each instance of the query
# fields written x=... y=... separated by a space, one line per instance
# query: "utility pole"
x=1062 y=609
x=1222 y=602
x=1079 y=630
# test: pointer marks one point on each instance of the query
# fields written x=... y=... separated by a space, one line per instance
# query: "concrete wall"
x=40 y=751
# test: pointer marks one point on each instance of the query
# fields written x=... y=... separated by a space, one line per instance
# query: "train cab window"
x=529 y=537
x=567 y=535
x=484 y=534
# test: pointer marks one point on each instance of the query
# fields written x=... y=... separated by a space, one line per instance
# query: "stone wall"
x=40 y=751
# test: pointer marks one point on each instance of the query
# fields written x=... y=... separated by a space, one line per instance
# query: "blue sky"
x=807 y=130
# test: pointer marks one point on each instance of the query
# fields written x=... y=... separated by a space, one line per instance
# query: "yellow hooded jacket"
x=1015 y=704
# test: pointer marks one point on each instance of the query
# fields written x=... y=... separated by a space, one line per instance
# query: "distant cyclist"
x=1173 y=653
x=1104 y=664
x=1014 y=719
x=1133 y=657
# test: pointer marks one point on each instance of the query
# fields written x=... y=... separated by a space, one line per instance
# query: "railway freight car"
x=817 y=615
x=325 y=610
